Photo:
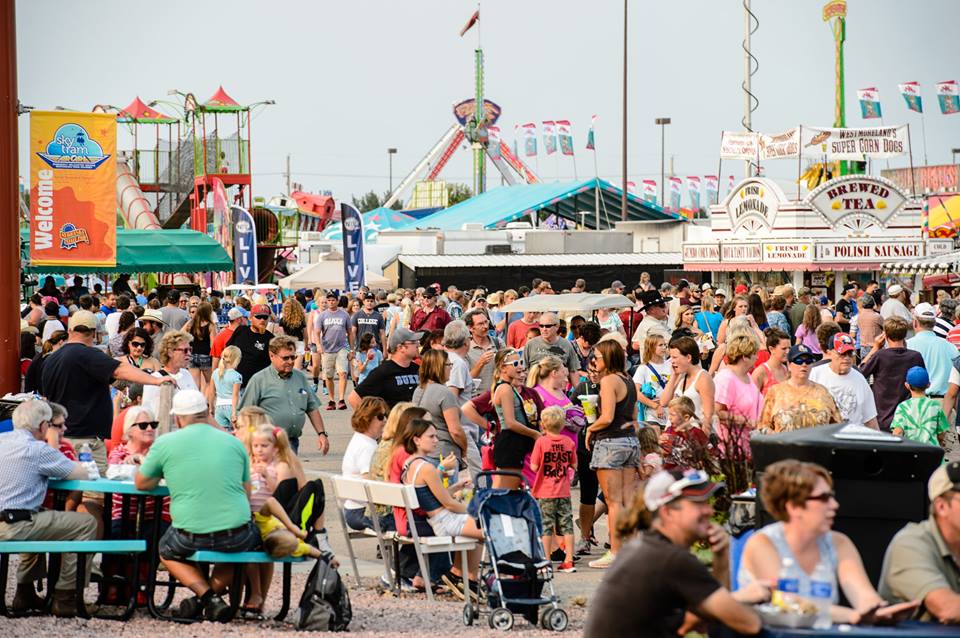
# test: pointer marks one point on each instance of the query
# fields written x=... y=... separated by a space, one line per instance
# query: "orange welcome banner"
x=73 y=194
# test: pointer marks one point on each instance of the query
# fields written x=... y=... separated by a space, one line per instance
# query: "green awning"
x=154 y=251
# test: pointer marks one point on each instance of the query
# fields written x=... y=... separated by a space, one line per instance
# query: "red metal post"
x=9 y=204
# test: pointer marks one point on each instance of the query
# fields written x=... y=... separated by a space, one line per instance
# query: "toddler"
x=920 y=418
x=682 y=431
x=553 y=460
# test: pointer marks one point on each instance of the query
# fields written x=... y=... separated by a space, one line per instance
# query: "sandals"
x=341 y=405
x=252 y=613
x=331 y=405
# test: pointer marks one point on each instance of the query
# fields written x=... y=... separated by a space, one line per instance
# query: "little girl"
x=226 y=386
x=368 y=357
x=651 y=378
x=683 y=431
x=650 y=460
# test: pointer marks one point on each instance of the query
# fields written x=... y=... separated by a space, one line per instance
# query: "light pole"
x=662 y=123
x=390 y=153
x=623 y=194
x=954 y=152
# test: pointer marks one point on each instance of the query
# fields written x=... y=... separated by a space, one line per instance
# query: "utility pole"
x=662 y=123
x=9 y=202
x=623 y=194
x=288 y=174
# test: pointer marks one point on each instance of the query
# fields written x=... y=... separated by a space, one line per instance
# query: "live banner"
x=353 y=270
x=244 y=246
x=73 y=189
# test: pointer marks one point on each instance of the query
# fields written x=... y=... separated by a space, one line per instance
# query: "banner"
x=493 y=142
x=711 y=185
x=73 y=188
x=632 y=187
x=352 y=224
x=869 y=103
x=882 y=142
x=549 y=137
x=530 y=139
x=650 y=190
x=693 y=191
x=675 y=183
x=743 y=145
x=948 y=94
x=730 y=183
x=591 y=136
x=911 y=93
x=565 y=132
x=783 y=146
x=244 y=246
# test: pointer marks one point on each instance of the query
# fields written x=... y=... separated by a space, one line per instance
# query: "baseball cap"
x=944 y=479
x=667 y=486
x=26 y=327
x=895 y=289
x=429 y=292
x=917 y=377
x=370 y=295
x=617 y=284
x=151 y=314
x=706 y=286
x=925 y=311
x=331 y=295
x=801 y=354
x=720 y=293
x=741 y=289
x=260 y=309
x=400 y=335
x=186 y=402
x=82 y=320
x=842 y=342
x=849 y=286
x=236 y=313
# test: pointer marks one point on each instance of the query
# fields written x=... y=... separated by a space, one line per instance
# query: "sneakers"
x=566 y=567
x=26 y=600
x=583 y=548
x=319 y=540
x=406 y=585
x=558 y=555
x=604 y=561
x=190 y=608
x=217 y=610
x=341 y=405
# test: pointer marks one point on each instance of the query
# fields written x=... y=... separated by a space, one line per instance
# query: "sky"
x=352 y=78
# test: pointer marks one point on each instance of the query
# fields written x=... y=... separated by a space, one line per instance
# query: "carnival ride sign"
x=857 y=201
x=753 y=204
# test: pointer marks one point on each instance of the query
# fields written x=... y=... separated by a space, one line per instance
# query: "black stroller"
x=514 y=569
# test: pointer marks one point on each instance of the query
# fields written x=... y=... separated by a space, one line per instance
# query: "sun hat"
x=151 y=314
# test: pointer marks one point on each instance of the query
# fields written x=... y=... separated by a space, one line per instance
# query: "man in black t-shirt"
x=656 y=586
x=367 y=320
x=847 y=306
x=254 y=343
x=395 y=379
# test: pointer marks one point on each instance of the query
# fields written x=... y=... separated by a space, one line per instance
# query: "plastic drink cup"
x=589 y=402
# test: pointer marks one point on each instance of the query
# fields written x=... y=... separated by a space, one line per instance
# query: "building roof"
x=496 y=207
x=559 y=260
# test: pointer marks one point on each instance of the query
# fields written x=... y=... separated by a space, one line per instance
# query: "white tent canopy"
x=571 y=301
x=329 y=274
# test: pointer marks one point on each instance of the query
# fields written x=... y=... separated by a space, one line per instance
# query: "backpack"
x=325 y=603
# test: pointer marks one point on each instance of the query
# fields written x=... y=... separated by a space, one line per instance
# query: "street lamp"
x=662 y=123
x=954 y=152
x=390 y=153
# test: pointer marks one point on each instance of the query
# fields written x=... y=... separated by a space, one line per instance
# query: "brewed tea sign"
x=858 y=196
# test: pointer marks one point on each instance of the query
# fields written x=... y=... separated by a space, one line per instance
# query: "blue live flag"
x=244 y=246
x=352 y=224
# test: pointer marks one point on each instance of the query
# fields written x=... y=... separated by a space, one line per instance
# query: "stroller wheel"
x=469 y=614
x=501 y=619
x=554 y=619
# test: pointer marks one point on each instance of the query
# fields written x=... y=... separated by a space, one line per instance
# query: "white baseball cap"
x=894 y=290
x=706 y=286
x=925 y=311
x=720 y=292
x=187 y=402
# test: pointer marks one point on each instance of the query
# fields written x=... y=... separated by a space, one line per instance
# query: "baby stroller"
x=514 y=569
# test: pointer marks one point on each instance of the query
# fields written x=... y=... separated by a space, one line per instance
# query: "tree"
x=371 y=200
x=457 y=193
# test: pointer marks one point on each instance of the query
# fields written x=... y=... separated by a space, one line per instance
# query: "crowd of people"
x=444 y=384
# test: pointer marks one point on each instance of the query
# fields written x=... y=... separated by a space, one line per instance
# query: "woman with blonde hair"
x=379 y=465
x=402 y=318
x=434 y=395
x=735 y=391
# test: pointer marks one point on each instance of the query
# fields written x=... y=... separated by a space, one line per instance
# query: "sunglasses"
x=288 y=357
x=143 y=425
x=803 y=362
x=823 y=498
x=261 y=316
x=138 y=344
x=516 y=364
x=183 y=350
x=548 y=325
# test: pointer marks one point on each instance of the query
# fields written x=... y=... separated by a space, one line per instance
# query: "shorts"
x=332 y=363
x=300 y=347
x=176 y=544
x=557 y=514
x=447 y=523
x=222 y=415
x=615 y=454
x=201 y=361
x=509 y=450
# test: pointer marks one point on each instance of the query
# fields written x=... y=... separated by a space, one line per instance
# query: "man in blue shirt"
x=938 y=354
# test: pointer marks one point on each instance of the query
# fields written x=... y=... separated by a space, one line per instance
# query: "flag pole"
x=923 y=133
x=913 y=180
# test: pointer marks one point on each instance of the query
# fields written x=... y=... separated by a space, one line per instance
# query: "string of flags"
x=947 y=92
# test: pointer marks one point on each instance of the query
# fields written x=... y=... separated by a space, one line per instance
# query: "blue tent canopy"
x=496 y=207
x=373 y=222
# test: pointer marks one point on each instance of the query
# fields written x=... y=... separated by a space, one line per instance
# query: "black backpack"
x=325 y=603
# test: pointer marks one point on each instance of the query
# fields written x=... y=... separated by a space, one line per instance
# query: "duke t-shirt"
x=391 y=382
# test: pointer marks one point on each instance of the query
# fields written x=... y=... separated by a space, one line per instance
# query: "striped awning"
x=938 y=264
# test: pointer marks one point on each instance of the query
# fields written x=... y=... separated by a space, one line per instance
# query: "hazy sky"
x=355 y=77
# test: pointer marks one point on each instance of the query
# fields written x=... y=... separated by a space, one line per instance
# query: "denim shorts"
x=177 y=544
x=615 y=454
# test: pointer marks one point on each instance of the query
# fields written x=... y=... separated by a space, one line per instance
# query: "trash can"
x=880 y=480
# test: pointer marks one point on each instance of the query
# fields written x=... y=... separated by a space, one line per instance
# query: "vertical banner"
x=493 y=141
x=244 y=246
x=353 y=270
x=565 y=132
x=693 y=192
x=650 y=190
x=730 y=182
x=632 y=187
x=675 y=186
x=550 y=137
x=711 y=186
x=530 y=139
x=948 y=94
x=869 y=103
x=591 y=136
x=911 y=94
x=73 y=189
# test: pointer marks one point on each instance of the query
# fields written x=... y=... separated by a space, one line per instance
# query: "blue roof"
x=496 y=207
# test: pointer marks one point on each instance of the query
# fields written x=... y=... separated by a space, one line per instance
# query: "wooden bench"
x=82 y=549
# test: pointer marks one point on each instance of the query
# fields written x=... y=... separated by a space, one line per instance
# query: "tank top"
x=202 y=346
x=771 y=379
x=691 y=392
x=622 y=414
x=425 y=497
x=828 y=557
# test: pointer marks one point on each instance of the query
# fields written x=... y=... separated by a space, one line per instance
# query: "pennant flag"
x=869 y=103
x=911 y=93
x=711 y=185
x=693 y=190
x=550 y=137
x=493 y=142
x=675 y=184
x=591 y=139
x=565 y=132
x=948 y=94
x=650 y=190
x=472 y=21
x=530 y=139
x=632 y=187
x=730 y=182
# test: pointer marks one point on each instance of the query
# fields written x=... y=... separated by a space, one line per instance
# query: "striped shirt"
x=25 y=466
x=921 y=419
x=942 y=327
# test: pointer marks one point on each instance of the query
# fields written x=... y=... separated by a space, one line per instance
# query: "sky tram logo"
x=72 y=148
x=71 y=236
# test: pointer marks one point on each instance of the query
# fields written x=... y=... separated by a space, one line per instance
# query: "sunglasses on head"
x=143 y=425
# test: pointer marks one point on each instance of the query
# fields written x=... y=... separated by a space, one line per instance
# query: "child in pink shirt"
x=553 y=459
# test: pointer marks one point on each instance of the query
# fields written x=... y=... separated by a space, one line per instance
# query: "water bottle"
x=789 y=579
x=822 y=583
x=86 y=460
